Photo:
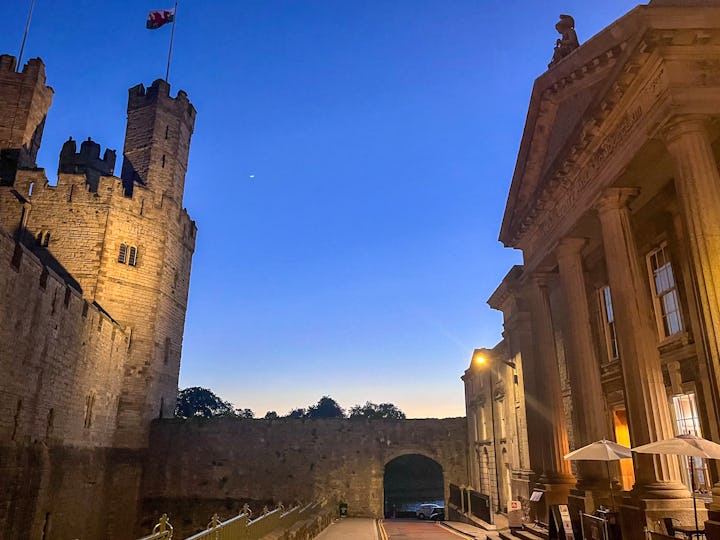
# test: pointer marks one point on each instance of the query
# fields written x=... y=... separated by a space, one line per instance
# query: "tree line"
x=202 y=402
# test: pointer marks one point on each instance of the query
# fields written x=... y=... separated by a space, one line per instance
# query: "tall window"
x=665 y=297
x=608 y=316
x=128 y=255
x=688 y=423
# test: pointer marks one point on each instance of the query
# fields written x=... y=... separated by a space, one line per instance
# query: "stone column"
x=556 y=471
x=656 y=476
x=698 y=186
x=590 y=415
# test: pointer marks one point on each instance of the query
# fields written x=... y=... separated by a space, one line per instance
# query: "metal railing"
x=162 y=531
x=298 y=523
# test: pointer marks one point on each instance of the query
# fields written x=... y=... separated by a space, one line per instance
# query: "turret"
x=87 y=161
x=157 y=140
x=24 y=103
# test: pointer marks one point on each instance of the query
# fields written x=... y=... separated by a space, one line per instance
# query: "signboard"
x=560 y=523
x=515 y=515
x=536 y=496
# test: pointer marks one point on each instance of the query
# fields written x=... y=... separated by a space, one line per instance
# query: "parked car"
x=438 y=514
x=424 y=511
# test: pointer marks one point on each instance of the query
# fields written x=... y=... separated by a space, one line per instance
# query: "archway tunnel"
x=409 y=481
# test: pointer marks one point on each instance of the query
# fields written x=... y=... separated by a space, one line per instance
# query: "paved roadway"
x=350 y=529
x=418 y=530
x=397 y=529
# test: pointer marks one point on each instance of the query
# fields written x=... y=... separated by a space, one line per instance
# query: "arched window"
x=132 y=259
x=122 y=255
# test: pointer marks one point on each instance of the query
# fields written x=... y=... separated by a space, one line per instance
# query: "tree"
x=244 y=413
x=327 y=407
x=372 y=411
x=271 y=415
x=198 y=401
x=296 y=413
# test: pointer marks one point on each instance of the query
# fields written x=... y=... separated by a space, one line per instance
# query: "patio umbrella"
x=602 y=450
x=684 y=445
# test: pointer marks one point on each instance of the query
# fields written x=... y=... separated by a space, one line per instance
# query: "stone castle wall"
x=219 y=463
x=61 y=357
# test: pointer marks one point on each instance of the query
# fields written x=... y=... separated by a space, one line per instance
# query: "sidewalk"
x=350 y=529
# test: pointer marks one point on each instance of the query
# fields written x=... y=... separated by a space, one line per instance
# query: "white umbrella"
x=602 y=450
x=684 y=445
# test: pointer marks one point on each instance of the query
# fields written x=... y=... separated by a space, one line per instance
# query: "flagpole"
x=25 y=35
x=172 y=37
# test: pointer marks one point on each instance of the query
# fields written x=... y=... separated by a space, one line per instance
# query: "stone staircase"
x=528 y=532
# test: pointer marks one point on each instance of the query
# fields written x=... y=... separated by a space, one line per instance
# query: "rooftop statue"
x=568 y=41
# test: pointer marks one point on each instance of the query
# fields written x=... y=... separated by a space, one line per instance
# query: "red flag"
x=159 y=17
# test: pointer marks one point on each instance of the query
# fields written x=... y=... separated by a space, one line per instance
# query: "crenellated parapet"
x=24 y=102
x=87 y=161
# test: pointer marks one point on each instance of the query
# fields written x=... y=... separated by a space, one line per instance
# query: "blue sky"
x=382 y=137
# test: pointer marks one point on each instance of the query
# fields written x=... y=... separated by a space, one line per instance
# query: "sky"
x=348 y=175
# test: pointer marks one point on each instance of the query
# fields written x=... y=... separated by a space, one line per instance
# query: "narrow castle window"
x=16 y=420
x=39 y=238
x=162 y=407
x=132 y=259
x=163 y=161
x=167 y=351
x=89 y=402
x=46 y=240
x=122 y=255
x=167 y=131
x=50 y=424
x=30 y=188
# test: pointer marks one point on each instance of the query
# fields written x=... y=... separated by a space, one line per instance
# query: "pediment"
x=564 y=100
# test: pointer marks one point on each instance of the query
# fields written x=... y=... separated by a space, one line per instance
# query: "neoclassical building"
x=613 y=320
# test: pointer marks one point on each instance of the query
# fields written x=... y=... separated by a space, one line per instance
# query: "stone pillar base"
x=636 y=515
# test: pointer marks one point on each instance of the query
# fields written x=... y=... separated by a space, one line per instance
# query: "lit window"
x=608 y=316
x=688 y=423
x=122 y=256
x=665 y=297
x=132 y=259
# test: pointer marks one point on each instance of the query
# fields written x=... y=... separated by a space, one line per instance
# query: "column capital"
x=616 y=198
x=570 y=247
x=683 y=124
x=541 y=278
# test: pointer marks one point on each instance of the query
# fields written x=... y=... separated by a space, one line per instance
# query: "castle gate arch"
x=411 y=479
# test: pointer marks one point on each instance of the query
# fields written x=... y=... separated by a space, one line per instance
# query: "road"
x=418 y=530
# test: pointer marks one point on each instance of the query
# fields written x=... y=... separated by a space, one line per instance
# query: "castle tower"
x=24 y=103
x=145 y=270
x=157 y=140
x=127 y=244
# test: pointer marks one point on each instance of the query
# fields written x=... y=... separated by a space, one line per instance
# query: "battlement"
x=87 y=161
x=33 y=186
x=34 y=69
x=139 y=96
x=24 y=103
